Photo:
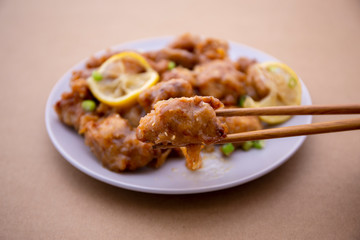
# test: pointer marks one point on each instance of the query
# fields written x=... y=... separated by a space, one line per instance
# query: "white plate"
x=173 y=177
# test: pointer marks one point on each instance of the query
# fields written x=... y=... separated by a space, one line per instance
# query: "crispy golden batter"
x=132 y=66
x=160 y=66
x=164 y=90
x=221 y=80
x=179 y=56
x=255 y=81
x=112 y=140
x=241 y=124
x=211 y=49
x=186 y=41
x=95 y=62
x=243 y=63
x=183 y=121
x=179 y=72
x=69 y=108
x=132 y=113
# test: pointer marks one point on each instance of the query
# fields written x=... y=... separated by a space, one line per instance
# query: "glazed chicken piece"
x=220 y=79
x=179 y=72
x=164 y=90
x=183 y=121
x=113 y=141
x=211 y=49
x=243 y=64
x=179 y=56
x=132 y=113
x=68 y=108
x=186 y=41
x=95 y=62
x=241 y=124
x=160 y=66
x=255 y=82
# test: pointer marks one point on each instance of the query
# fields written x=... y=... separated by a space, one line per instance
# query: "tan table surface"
x=315 y=195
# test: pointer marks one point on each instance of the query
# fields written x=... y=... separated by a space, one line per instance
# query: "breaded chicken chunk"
x=220 y=79
x=113 y=141
x=188 y=122
x=164 y=90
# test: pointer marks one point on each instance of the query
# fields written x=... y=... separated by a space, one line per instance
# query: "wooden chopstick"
x=292 y=131
x=291 y=110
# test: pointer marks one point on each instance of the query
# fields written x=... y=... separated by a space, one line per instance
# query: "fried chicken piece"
x=255 y=82
x=211 y=49
x=133 y=113
x=159 y=66
x=183 y=122
x=164 y=90
x=186 y=41
x=95 y=62
x=241 y=124
x=132 y=66
x=78 y=83
x=179 y=72
x=243 y=64
x=69 y=108
x=112 y=140
x=220 y=79
x=179 y=56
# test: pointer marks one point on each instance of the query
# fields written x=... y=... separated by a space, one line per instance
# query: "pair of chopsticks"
x=299 y=130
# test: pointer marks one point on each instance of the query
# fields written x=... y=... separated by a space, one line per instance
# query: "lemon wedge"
x=113 y=85
x=284 y=85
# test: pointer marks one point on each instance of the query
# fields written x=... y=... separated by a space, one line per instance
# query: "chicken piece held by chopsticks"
x=189 y=122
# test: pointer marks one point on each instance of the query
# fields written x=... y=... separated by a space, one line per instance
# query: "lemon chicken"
x=178 y=87
x=175 y=87
x=220 y=79
x=189 y=122
x=183 y=121
x=113 y=141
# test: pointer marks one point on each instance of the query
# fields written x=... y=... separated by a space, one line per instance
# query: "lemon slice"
x=111 y=84
x=284 y=85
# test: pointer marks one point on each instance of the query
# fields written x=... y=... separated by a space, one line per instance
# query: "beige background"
x=315 y=195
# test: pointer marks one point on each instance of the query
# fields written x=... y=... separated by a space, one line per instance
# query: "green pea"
x=259 y=144
x=97 y=76
x=227 y=148
x=242 y=101
x=247 y=145
x=88 y=105
x=171 y=65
